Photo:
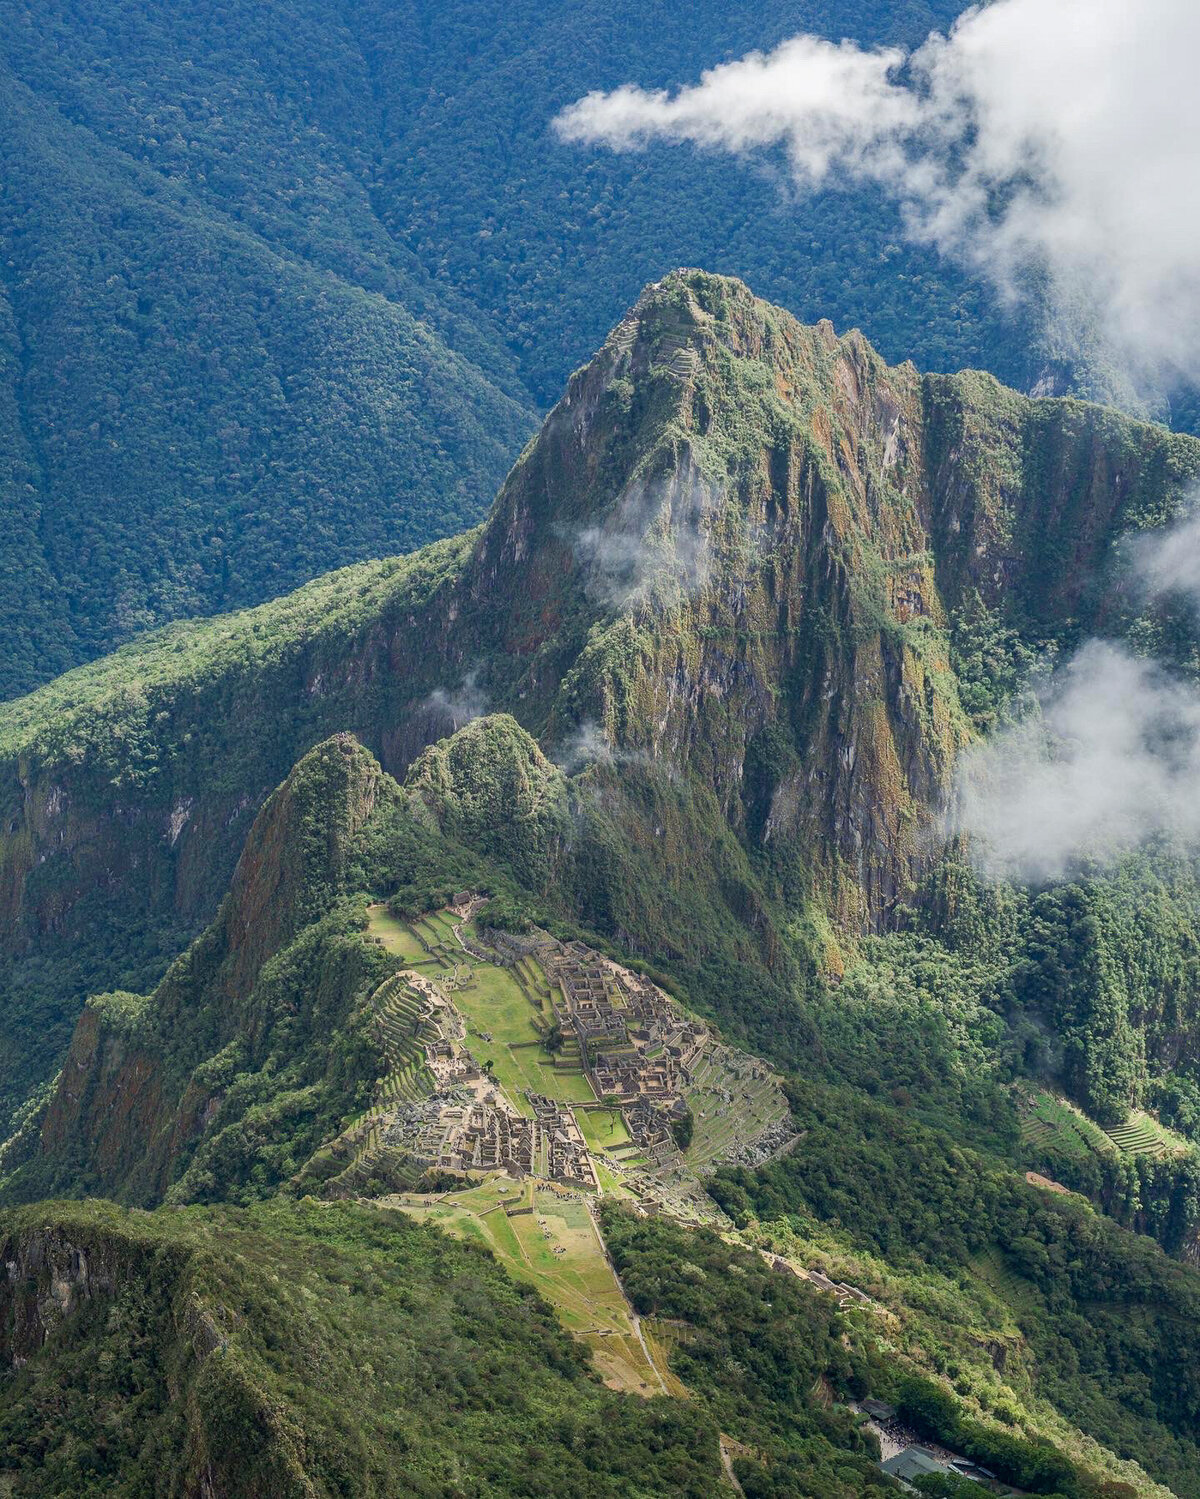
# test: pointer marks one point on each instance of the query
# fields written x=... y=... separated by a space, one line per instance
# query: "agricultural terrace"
x=733 y=1099
x=547 y=1237
x=1051 y=1123
x=419 y=943
x=1143 y=1135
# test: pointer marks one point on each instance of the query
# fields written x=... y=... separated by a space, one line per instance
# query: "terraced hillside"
x=548 y=1237
x=1052 y=1124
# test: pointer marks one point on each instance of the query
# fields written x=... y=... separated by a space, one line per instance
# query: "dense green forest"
x=285 y=287
x=1102 y=1311
x=316 y=1348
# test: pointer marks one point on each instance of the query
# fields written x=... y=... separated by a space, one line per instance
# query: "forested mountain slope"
x=284 y=286
x=1005 y=1321
x=681 y=717
x=728 y=571
x=199 y=411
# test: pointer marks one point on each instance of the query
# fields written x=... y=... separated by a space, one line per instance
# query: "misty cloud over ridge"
x=455 y=707
x=656 y=537
x=1110 y=757
x=1050 y=135
x=1112 y=761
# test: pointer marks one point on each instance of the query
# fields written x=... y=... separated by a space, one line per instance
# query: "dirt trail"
x=727 y=1464
x=634 y=1319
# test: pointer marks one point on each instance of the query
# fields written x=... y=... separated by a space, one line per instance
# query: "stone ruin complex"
x=458 y=1131
x=638 y=1051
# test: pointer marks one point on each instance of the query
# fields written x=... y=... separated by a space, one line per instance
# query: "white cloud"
x=452 y=708
x=655 y=538
x=1058 y=135
x=850 y=111
x=1112 y=760
x=1107 y=760
x=588 y=745
x=1168 y=562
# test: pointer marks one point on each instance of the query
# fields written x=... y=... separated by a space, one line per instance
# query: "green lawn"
x=396 y=935
x=495 y=1002
x=602 y=1127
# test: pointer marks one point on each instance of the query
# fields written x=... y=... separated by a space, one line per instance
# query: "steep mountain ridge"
x=275 y=259
x=129 y=1104
x=298 y=1350
x=732 y=555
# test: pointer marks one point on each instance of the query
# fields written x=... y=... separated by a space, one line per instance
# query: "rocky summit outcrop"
x=731 y=560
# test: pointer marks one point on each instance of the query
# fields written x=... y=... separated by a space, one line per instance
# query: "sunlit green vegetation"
x=557 y=1249
x=1099 y=1310
x=603 y=1129
x=322 y=1349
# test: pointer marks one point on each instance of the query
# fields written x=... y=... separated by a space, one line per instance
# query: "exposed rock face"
x=730 y=555
x=125 y=1108
x=46 y=1276
x=297 y=854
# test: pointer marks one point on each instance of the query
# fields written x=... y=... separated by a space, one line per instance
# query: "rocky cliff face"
x=145 y=1300
x=731 y=555
x=128 y=1105
x=47 y=1274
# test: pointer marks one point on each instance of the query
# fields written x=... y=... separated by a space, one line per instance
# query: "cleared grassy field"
x=602 y=1128
x=496 y=1004
x=557 y=1248
x=610 y=1183
x=399 y=938
x=511 y=1006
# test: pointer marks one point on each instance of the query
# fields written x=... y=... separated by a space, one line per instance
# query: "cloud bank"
x=1109 y=758
x=1112 y=761
x=1168 y=562
x=1056 y=136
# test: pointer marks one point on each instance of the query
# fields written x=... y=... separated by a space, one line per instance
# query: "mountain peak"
x=298 y=850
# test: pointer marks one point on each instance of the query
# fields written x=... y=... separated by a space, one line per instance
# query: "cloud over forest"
x=1047 y=136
